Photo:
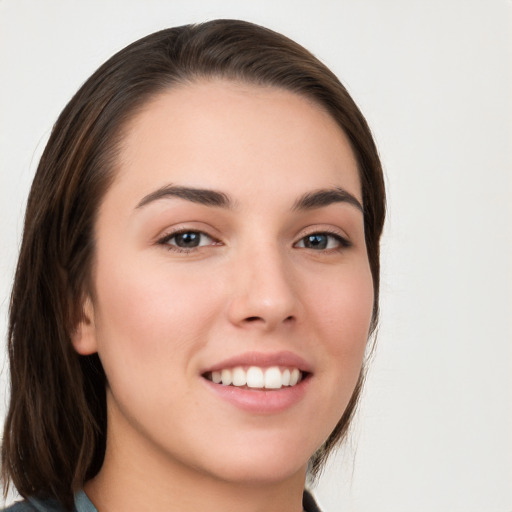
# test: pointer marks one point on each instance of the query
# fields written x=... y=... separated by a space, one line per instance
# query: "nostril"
x=252 y=319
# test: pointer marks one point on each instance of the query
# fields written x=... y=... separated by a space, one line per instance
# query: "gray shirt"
x=84 y=504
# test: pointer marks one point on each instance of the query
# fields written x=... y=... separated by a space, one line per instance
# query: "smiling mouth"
x=255 y=377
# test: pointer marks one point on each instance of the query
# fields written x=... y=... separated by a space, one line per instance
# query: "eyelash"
x=342 y=242
x=172 y=247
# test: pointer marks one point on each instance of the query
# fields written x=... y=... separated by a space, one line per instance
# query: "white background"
x=434 y=80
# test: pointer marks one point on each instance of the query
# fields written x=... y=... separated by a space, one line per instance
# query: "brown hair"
x=54 y=437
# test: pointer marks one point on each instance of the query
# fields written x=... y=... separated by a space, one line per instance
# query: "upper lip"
x=263 y=360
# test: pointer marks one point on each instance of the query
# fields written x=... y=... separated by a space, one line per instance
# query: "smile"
x=256 y=377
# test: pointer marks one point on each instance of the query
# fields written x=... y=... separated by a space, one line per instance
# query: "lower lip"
x=261 y=401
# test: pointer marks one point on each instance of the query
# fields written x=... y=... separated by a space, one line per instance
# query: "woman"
x=197 y=282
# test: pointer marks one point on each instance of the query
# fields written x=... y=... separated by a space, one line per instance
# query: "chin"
x=261 y=472
x=263 y=464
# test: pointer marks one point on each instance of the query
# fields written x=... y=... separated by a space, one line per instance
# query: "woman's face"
x=230 y=246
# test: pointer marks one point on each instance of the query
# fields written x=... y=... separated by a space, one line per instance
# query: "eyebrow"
x=206 y=197
x=325 y=197
x=308 y=201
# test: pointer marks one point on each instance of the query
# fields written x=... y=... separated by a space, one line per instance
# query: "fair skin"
x=256 y=277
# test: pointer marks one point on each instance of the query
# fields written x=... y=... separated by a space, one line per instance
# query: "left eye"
x=322 y=241
x=188 y=239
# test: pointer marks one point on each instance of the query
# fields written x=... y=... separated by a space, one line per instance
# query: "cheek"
x=145 y=318
x=344 y=312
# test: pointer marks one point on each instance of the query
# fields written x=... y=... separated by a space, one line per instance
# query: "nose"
x=263 y=294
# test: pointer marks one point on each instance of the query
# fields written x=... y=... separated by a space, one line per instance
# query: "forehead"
x=224 y=134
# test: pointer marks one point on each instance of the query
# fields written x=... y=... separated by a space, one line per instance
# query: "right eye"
x=186 y=240
x=323 y=241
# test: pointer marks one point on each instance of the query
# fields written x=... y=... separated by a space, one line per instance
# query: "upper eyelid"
x=165 y=242
x=328 y=230
x=304 y=232
x=344 y=241
x=171 y=234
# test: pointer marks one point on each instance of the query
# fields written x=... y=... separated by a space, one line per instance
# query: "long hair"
x=55 y=430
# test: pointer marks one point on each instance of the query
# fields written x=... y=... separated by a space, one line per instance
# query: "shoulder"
x=34 y=505
x=309 y=503
x=19 y=506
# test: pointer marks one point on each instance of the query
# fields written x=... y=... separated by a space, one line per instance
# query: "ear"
x=83 y=337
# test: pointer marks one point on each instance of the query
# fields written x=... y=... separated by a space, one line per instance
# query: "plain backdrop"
x=434 y=80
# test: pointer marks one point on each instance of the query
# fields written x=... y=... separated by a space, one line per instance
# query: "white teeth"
x=286 y=377
x=294 y=377
x=273 y=378
x=226 y=377
x=239 y=377
x=257 y=378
